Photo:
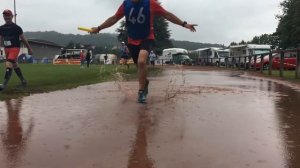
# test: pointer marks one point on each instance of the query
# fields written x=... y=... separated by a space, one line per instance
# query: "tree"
x=233 y=44
x=270 y=39
x=162 y=34
x=288 y=28
x=122 y=32
x=242 y=42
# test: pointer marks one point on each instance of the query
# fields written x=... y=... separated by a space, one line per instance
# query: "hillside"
x=103 y=39
x=193 y=45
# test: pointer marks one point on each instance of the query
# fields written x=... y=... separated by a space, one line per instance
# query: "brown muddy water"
x=193 y=119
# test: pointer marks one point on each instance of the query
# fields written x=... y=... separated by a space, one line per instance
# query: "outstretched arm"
x=174 y=19
x=108 y=23
x=26 y=44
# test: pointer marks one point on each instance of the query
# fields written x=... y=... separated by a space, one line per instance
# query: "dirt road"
x=193 y=119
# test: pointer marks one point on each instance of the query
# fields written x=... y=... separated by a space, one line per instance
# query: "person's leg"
x=8 y=72
x=134 y=53
x=147 y=46
x=12 y=56
x=81 y=63
x=142 y=68
x=19 y=74
x=126 y=62
x=88 y=63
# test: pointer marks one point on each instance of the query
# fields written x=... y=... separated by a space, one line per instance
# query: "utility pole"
x=15 y=11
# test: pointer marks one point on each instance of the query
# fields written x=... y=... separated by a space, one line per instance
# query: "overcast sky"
x=220 y=21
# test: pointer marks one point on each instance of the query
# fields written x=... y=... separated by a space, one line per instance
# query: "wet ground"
x=193 y=119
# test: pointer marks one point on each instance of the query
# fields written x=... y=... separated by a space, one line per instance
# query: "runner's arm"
x=108 y=23
x=26 y=44
x=174 y=19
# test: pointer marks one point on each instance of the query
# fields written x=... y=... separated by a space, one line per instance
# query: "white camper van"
x=212 y=55
x=174 y=55
x=246 y=50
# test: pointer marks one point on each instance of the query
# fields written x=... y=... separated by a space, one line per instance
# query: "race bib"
x=7 y=43
x=137 y=18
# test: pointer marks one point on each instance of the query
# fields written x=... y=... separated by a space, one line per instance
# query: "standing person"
x=124 y=54
x=10 y=35
x=88 y=57
x=82 y=59
x=139 y=16
x=152 y=58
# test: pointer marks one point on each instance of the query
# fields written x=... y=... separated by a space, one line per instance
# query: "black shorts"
x=135 y=49
x=125 y=56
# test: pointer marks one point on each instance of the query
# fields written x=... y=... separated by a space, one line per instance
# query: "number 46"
x=140 y=19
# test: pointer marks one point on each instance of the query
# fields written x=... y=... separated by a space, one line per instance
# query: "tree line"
x=287 y=35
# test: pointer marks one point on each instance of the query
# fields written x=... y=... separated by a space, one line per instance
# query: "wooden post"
x=270 y=63
x=255 y=57
x=239 y=63
x=219 y=62
x=298 y=65
x=262 y=63
x=245 y=60
x=281 y=63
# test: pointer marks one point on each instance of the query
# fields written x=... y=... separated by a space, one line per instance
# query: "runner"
x=152 y=58
x=10 y=35
x=82 y=59
x=139 y=16
x=124 y=54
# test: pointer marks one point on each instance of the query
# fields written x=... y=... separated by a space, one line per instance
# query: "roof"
x=44 y=42
x=252 y=46
x=211 y=48
x=169 y=49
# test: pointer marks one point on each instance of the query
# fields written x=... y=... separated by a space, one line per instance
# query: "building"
x=41 y=49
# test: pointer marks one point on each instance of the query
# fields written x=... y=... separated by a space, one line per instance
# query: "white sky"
x=220 y=21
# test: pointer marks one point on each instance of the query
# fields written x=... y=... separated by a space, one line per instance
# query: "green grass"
x=45 y=78
x=287 y=75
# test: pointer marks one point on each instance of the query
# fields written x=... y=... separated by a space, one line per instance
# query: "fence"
x=260 y=62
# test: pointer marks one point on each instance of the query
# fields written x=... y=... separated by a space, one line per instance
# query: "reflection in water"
x=288 y=108
x=14 y=139
x=139 y=157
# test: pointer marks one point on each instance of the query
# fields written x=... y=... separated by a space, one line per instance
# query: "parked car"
x=290 y=61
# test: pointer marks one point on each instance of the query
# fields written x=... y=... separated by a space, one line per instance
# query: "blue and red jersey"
x=139 y=19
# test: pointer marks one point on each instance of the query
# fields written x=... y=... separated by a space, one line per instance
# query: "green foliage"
x=233 y=44
x=289 y=24
x=122 y=32
x=270 y=39
x=162 y=34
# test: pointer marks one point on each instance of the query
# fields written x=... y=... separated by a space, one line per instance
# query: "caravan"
x=212 y=55
x=242 y=51
x=175 y=56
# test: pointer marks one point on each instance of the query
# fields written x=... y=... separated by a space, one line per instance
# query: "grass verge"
x=45 y=78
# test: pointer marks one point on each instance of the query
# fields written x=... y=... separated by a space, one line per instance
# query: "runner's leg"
x=142 y=68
